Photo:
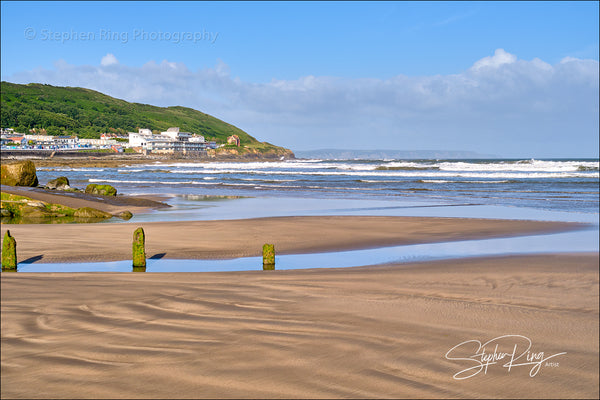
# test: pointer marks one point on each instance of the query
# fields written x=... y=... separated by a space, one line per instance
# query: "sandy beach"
x=378 y=332
x=367 y=332
x=245 y=237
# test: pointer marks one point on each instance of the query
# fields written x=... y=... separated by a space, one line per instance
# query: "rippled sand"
x=356 y=332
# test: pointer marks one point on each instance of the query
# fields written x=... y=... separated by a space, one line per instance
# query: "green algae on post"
x=268 y=256
x=139 y=248
x=9 y=253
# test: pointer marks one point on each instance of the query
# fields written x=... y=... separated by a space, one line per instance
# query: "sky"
x=513 y=79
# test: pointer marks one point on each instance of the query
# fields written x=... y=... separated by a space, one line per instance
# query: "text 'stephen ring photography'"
x=299 y=200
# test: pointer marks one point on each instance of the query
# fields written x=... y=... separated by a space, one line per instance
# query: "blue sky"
x=514 y=79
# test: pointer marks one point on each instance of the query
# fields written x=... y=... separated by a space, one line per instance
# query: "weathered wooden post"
x=9 y=253
x=268 y=257
x=139 y=249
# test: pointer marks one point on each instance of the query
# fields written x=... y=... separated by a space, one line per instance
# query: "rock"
x=21 y=173
x=126 y=215
x=88 y=212
x=37 y=204
x=5 y=212
x=103 y=190
x=28 y=211
x=60 y=183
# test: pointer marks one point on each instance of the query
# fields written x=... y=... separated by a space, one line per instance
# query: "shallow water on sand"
x=211 y=208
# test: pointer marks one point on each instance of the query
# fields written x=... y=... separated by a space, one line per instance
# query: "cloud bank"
x=500 y=105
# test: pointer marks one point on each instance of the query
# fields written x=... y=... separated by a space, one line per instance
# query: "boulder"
x=20 y=173
x=126 y=215
x=103 y=190
x=87 y=212
x=60 y=183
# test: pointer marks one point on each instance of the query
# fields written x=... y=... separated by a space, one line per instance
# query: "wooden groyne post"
x=9 y=253
x=139 y=249
x=268 y=256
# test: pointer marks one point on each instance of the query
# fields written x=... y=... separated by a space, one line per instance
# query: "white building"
x=197 y=139
x=174 y=134
x=141 y=138
x=170 y=141
x=40 y=139
x=98 y=142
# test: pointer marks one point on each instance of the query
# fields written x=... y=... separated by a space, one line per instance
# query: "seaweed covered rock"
x=103 y=190
x=88 y=212
x=33 y=211
x=60 y=183
x=20 y=173
x=126 y=215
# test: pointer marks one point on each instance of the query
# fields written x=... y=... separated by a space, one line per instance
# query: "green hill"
x=87 y=113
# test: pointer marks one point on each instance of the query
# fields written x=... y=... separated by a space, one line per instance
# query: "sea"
x=525 y=189
x=570 y=185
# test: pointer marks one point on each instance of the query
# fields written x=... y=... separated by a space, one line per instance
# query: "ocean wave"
x=454 y=181
x=521 y=166
x=349 y=165
x=69 y=169
x=142 y=182
x=384 y=168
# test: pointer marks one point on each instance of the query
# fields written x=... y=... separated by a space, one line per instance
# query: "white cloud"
x=109 y=59
x=500 y=105
x=499 y=58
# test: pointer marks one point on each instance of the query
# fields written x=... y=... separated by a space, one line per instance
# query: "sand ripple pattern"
x=376 y=332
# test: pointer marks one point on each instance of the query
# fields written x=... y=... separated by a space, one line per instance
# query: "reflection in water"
x=54 y=220
x=585 y=240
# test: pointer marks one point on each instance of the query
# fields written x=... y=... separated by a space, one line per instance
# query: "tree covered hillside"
x=87 y=113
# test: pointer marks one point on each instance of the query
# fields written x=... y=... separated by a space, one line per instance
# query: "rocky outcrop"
x=88 y=212
x=21 y=173
x=249 y=153
x=60 y=183
x=102 y=190
x=33 y=211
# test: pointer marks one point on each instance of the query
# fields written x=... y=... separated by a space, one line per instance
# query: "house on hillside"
x=234 y=139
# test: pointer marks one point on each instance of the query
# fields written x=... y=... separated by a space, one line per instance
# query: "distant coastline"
x=341 y=154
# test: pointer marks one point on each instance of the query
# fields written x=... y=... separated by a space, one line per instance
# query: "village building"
x=102 y=142
x=168 y=142
x=234 y=139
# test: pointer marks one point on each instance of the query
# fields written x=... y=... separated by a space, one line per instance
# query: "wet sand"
x=245 y=237
x=369 y=332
